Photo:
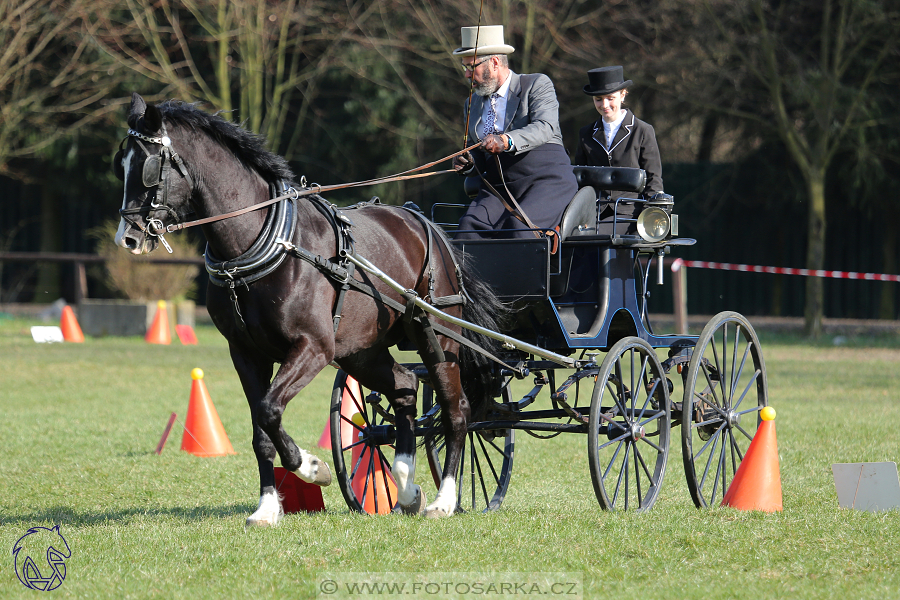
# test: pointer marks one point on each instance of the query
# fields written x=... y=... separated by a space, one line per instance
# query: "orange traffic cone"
x=351 y=402
x=203 y=431
x=757 y=483
x=296 y=494
x=372 y=474
x=71 y=330
x=159 y=329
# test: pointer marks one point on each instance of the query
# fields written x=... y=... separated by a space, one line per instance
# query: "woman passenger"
x=618 y=139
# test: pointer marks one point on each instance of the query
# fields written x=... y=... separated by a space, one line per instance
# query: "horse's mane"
x=248 y=147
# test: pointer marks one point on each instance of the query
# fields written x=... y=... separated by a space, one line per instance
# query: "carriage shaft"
x=507 y=341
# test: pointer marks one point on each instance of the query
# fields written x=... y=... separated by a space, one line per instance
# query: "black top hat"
x=605 y=80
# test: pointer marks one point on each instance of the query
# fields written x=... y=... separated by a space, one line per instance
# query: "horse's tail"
x=483 y=308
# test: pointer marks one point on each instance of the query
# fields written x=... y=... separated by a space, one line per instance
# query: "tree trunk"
x=47 y=288
x=815 y=253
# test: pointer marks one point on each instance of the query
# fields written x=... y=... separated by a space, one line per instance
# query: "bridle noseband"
x=156 y=171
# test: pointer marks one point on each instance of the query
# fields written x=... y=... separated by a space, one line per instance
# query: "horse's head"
x=157 y=182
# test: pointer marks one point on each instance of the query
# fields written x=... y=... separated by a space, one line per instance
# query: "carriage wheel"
x=630 y=422
x=362 y=448
x=485 y=467
x=724 y=390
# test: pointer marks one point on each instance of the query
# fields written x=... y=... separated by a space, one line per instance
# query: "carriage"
x=581 y=333
x=279 y=283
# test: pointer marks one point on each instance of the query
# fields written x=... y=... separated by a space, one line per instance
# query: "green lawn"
x=80 y=423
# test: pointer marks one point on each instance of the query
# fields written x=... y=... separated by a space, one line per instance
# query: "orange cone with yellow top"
x=351 y=402
x=71 y=330
x=757 y=483
x=159 y=329
x=372 y=483
x=203 y=431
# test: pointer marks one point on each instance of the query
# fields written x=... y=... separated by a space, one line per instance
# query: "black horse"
x=277 y=293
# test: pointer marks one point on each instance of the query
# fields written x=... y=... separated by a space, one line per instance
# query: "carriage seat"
x=623 y=179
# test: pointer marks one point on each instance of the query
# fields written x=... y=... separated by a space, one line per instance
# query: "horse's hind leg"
x=455 y=413
x=376 y=369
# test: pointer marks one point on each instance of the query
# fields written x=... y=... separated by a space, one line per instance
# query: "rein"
x=317 y=189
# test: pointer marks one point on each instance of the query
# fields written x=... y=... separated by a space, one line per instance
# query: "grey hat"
x=489 y=40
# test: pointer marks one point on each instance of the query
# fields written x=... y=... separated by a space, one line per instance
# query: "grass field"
x=80 y=423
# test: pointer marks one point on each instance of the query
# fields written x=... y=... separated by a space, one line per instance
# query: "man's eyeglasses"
x=474 y=66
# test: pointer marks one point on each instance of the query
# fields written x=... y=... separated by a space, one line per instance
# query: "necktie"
x=491 y=115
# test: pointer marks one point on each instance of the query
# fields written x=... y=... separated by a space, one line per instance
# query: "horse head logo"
x=51 y=550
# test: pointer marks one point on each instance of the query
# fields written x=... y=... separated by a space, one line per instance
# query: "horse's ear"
x=138 y=106
x=152 y=119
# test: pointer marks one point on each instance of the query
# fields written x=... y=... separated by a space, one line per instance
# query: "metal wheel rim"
x=717 y=423
x=612 y=455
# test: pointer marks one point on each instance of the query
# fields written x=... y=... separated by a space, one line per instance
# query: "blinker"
x=150 y=175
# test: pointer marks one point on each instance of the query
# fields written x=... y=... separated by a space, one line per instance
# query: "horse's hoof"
x=314 y=470
x=417 y=507
x=438 y=512
x=268 y=521
x=268 y=514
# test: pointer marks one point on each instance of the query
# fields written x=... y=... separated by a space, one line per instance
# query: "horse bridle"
x=155 y=173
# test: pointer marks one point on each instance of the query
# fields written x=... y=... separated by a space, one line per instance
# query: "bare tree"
x=802 y=71
x=51 y=83
x=260 y=59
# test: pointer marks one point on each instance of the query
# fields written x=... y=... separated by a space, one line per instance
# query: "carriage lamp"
x=654 y=224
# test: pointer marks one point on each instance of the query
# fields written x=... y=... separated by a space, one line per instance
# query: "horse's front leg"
x=300 y=366
x=255 y=376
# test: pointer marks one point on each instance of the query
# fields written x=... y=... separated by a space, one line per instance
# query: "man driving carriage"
x=522 y=160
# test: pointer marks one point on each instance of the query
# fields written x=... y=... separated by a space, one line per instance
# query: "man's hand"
x=463 y=163
x=495 y=144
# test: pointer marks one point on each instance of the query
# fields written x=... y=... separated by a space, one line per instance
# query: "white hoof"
x=436 y=511
x=313 y=470
x=416 y=507
x=268 y=514
x=445 y=503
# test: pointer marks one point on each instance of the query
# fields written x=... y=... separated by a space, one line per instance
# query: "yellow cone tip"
x=161 y=304
x=767 y=414
x=197 y=373
x=358 y=420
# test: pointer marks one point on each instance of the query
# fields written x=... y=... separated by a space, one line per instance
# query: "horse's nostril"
x=130 y=243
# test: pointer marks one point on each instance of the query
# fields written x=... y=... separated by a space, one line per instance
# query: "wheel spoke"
x=640 y=457
x=734 y=377
x=737 y=449
x=477 y=462
x=708 y=442
x=618 y=439
x=652 y=445
x=385 y=469
x=655 y=417
x=714 y=440
x=487 y=457
x=712 y=391
x=740 y=372
x=619 y=396
x=747 y=389
x=637 y=475
x=612 y=461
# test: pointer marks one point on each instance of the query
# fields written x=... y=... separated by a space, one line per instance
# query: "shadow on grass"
x=69 y=516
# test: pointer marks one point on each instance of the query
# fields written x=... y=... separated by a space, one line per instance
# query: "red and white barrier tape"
x=702 y=264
